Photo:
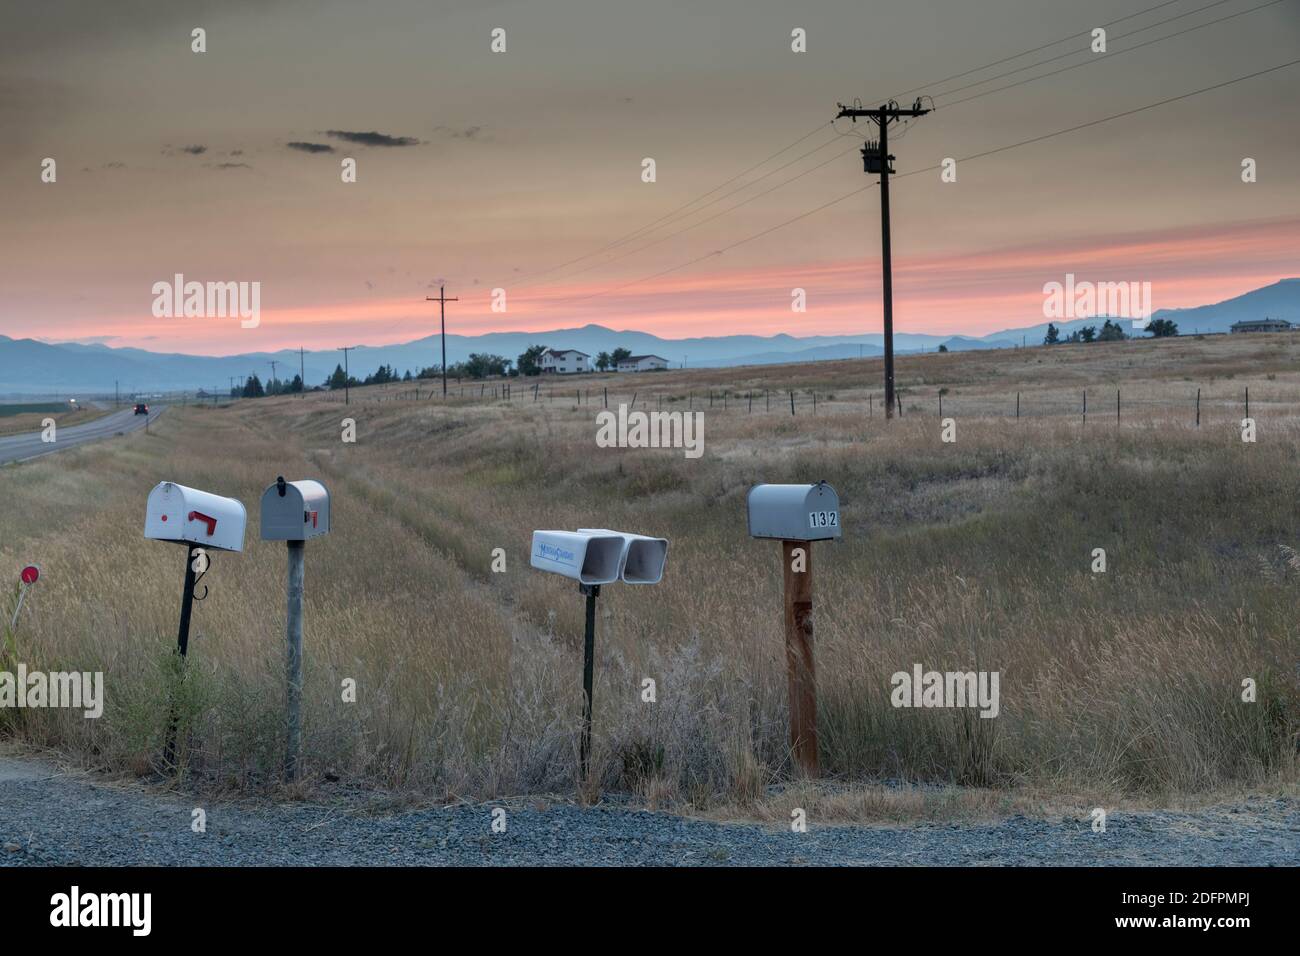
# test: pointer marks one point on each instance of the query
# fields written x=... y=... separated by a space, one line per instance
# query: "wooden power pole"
x=442 y=301
x=876 y=159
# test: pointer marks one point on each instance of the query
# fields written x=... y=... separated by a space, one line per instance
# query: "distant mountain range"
x=30 y=367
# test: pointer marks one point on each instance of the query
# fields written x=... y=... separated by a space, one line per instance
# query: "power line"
x=719 y=215
x=670 y=215
x=649 y=227
x=974 y=156
x=1097 y=59
x=1016 y=56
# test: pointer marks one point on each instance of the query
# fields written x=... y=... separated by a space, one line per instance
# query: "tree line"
x=479 y=365
x=1109 y=332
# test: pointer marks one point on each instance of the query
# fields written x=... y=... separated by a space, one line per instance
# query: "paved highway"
x=24 y=447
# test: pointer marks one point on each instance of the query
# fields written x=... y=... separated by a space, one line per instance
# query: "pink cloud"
x=972 y=293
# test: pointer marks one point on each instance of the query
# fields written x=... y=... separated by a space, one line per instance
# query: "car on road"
x=141 y=408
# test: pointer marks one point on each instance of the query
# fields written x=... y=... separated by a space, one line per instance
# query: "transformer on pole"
x=876 y=161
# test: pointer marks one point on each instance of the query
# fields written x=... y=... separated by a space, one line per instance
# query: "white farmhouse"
x=642 y=363
x=565 y=361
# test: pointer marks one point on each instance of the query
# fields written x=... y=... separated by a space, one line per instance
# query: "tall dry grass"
x=973 y=555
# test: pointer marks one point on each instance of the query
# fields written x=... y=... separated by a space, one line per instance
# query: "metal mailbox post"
x=202 y=522
x=294 y=512
x=797 y=515
x=592 y=557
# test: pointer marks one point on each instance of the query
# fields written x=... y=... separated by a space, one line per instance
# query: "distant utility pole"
x=232 y=386
x=273 y=363
x=302 y=371
x=117 y=394
x=876 y=159
x=442 y=301
x=345 y=350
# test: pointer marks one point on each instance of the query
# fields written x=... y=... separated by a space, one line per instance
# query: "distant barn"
x=1262 y=325
x=642 y=363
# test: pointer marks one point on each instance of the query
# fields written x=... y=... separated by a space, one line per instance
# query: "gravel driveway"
x=48 y=818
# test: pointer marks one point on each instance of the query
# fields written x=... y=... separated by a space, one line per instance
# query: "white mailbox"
x=295 y=511
x=643 y=557
x=190 y=516
x=587 y=557
x=794 y=512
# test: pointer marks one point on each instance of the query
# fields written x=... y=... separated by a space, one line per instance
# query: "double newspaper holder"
x=292 y=511
x=594 y=557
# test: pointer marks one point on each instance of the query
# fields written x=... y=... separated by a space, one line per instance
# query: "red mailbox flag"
x=30 y=574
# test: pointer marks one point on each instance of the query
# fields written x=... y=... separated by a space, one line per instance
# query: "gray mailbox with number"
x=295 y=511
x=794 y=512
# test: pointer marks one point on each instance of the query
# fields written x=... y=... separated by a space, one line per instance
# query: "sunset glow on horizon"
x=514 y=171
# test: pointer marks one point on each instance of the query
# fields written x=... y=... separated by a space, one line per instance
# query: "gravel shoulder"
x=52 y=818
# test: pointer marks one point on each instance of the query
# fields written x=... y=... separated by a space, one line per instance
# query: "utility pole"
x=302 y=371
x=232 y=386
x=876 y=159
x=442 y=301
x=345 y=350
x=273 y=363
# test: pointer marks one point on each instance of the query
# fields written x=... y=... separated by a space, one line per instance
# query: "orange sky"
x=974 y=293
x=491 y=170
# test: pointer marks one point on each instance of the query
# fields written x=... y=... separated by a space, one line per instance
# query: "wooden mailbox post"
x=797 y=515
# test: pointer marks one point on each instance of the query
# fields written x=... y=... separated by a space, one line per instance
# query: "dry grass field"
x=16 y=420
x=977 y=554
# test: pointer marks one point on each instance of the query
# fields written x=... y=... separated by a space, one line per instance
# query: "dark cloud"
x=372 y=138
x=459 y=132
x=310 y=147
x=194 y=150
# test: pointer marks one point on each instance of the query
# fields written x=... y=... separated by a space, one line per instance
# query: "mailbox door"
x=177 y=513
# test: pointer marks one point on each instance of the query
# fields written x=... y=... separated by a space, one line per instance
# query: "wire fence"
x=1196 y=405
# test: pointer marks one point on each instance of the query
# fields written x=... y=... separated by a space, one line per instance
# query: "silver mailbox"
x=295 y=511
x=794 y=512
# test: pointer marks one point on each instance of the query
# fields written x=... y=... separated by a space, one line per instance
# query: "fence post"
x=1247 y=401
x=792 y=401
x=1198 y=408
x=941 y=404
x=1085 y=406
x=751 y=402
x=1017 y=404
x=1117 y=406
